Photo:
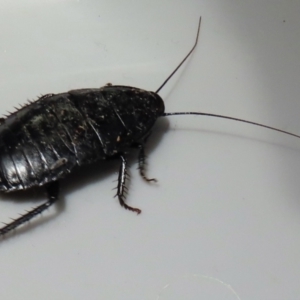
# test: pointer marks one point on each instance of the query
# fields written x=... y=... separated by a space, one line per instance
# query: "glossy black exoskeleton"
x=45 y=140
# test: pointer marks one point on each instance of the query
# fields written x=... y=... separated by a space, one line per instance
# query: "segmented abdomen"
x=44 y=141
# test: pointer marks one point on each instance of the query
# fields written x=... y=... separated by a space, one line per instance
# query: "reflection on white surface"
x=194 y=286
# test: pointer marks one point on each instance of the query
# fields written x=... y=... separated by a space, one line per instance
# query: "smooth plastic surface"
x=223 y=222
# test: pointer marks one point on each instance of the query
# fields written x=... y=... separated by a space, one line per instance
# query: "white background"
x=224 y=220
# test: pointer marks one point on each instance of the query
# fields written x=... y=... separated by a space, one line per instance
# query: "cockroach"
x=45 y=140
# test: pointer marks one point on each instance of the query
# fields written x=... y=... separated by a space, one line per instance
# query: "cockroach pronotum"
x=46 y=139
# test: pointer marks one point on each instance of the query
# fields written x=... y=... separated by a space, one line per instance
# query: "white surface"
x=224 y=220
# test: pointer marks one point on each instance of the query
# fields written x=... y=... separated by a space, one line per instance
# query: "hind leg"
x=52 y=192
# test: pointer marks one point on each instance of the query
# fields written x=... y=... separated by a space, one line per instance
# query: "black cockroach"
x=45 y=140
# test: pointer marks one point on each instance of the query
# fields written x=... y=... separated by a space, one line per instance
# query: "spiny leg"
x=121 y=188
x=52 y=191
x=142 y=163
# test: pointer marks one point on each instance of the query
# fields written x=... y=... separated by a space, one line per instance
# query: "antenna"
x=229 y=118
x=209 y=114
x=186 y=57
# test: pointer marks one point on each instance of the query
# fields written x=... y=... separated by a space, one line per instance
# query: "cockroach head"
x=158 y=104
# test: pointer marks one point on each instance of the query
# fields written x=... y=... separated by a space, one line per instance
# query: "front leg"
x=121 y=188
x=142 y=162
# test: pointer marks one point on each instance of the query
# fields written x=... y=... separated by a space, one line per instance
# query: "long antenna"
x=182 y=60
x=229 y=118
x=209 y=114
